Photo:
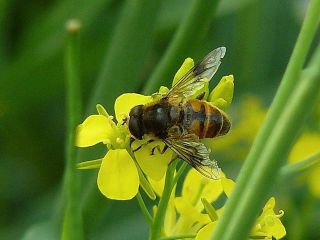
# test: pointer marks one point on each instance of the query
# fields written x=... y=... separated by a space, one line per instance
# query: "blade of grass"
x=275 y=149
x=72 y=223
x=193 y=27
x=288 y=83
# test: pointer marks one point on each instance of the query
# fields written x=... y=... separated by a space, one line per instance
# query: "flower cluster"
x=192 y=213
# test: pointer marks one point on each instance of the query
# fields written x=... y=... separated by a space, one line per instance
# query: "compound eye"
x=136 y=111
x=135 y=128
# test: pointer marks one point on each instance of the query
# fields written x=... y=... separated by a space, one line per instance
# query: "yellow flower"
x=185 y=213
x=267 y=225
x=222 y=95
x=307 y=145
x=118 y=176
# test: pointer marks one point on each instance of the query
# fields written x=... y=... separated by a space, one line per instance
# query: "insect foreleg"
x=142 y=145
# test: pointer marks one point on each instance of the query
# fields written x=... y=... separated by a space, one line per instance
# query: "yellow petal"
x=126 y=102
x=154 y=166
x=189 y=212
x=95 y=129
x=157 y=186
x=196 y=186
x=227 y=185
x=275 y=228
x=118 y=177
x=206 y=232
x=306 y=145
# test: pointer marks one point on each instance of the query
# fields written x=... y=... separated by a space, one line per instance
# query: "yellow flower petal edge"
x=95 y=129
x=125 y=102
x=118 y=177
x=205 y=232
x=227 y=185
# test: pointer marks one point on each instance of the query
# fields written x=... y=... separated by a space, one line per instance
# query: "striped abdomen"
x=205 y=120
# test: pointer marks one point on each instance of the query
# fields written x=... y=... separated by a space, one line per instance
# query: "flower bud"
x=221 y=96
x=185 y=67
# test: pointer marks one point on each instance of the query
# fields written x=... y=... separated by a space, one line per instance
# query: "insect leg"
x=201 y=96
x=165 y=148
x=154 y=148
x=144 y=144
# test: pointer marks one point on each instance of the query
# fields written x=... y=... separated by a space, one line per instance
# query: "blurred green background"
x=259 y=36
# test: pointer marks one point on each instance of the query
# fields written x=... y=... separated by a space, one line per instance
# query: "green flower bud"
x=221 y=96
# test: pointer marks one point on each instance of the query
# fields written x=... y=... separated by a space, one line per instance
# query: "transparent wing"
x=196 y=77
x=189 y=149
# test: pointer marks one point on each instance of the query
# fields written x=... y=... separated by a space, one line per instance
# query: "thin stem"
x=192 y=28
x=299 y=167
x=178 y=174
x=276 y=148
x=144 y=209
x=144 y=183
x=163 y=203
x=72 y=223
x=179 y=237
x=288 y=83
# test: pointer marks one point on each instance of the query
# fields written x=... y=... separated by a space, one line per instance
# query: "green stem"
x=72 y=223
x=178 y=174
x=179 y=237
x=299 y=167
x=192 y=29
x=258 y=182
x=288 y=83
x=144 y=209
x=163 y=203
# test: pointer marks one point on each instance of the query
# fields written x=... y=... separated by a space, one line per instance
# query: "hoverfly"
x=180 y=122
